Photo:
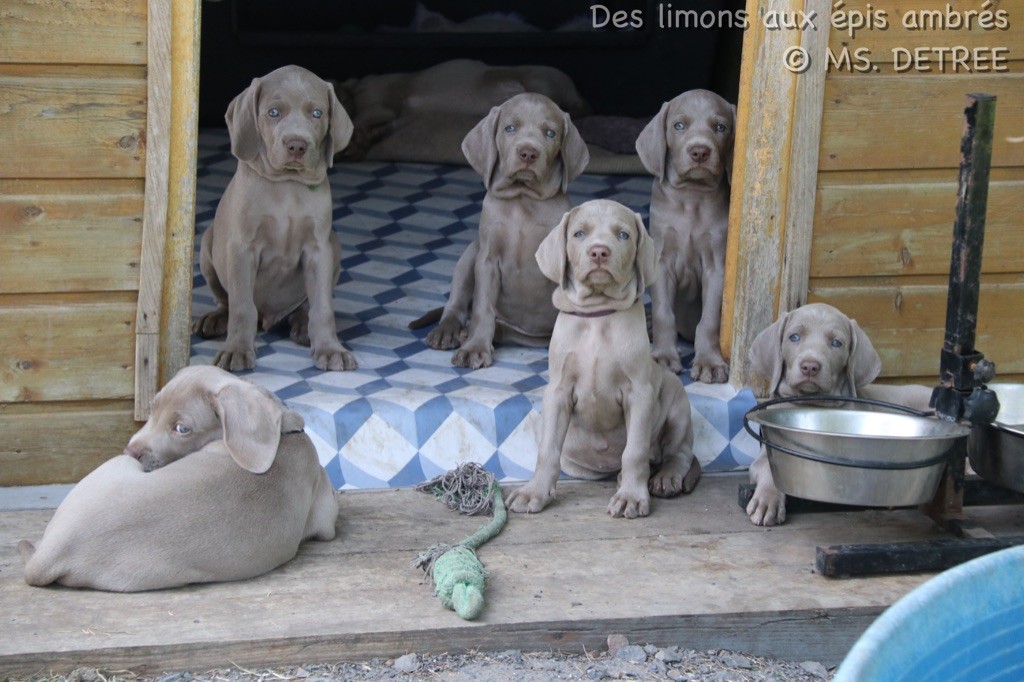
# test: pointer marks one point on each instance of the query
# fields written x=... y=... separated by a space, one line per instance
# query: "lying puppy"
x=815 y=350
x=688 y=149
x=234 y=486
x=608 y=405
x=459 y=87
x=528 y=151
x=271 y=254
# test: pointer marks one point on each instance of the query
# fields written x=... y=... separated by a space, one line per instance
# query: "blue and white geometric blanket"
x=406 y=415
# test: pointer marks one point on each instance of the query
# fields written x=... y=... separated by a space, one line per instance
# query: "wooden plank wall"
x=73 y=115
x=887 y=188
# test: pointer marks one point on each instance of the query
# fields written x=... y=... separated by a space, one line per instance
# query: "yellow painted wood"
x=775 y=174
x=903 y=227
x=906 y=322
x=154 y=227
x=908 y=121
x=72 y=126
x=73 y=31
x=70 y=235
x=67 y=349
x=894 y=30
x=60 y=442
x=175 y=320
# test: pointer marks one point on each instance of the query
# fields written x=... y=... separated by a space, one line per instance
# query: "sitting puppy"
x=528 y=151
x=688 y=149
x=234 y=486
x=608 y=405
x=815 y=350
x=271 y=254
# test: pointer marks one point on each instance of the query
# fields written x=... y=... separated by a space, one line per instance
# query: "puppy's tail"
x=427 y=319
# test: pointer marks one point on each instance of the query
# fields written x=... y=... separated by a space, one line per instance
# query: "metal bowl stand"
x=962 y=394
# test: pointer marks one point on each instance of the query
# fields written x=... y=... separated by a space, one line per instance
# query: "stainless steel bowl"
x=858 y=457
x=997 y=450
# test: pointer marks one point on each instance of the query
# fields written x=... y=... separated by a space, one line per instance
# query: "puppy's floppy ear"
x=864 y=364
x=552 y=255
x=480 y=146
x=732 y=146
x=339 y=127
x=241 y=117
x=251 y=423
x=574 y=152
x=651 y=144
x=766 y=353
x=647 y=254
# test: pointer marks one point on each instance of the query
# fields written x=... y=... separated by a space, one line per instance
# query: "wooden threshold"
x=695 y=573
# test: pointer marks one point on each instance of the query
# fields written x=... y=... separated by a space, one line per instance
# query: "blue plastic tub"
x=964 y=624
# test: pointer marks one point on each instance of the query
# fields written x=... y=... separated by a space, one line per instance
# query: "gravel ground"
x=622 y=661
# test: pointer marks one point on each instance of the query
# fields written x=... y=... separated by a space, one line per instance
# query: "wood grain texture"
x=60 y=442
x=909 y=121
x=154 y=223
x=73 y=126
x=695 y=572
x=64 y=350
x=904 y=227
x=906 y=321
x=73 y=31
x=71 y=235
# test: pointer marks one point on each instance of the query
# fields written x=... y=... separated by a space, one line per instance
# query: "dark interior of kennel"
x=621 y=72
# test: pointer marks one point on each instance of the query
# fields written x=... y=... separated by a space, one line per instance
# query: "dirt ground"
x=623 y=661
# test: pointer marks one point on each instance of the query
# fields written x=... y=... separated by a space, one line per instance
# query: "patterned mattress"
x=406 y=415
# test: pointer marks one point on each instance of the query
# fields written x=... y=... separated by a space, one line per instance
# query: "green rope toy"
x=457 y=573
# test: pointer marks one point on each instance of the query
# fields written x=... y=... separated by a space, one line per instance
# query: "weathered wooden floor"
x=695 y=573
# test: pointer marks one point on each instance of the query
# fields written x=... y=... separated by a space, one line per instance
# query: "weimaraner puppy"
x=271 y=254
x=815 y=350
x=220 y=484
x=528 y=151
x=688 y=149
x=608 y=407
x=457 y=87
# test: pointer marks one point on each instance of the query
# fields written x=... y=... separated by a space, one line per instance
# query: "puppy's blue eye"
x=579 y=234
x=679 y=126
x=317 y=113
x=721 y=128
x=794 y=337
x=550 y=134
x=836 y=343
x=181 y=429
x=623 y=235
x=274 y=113
x=510 y=128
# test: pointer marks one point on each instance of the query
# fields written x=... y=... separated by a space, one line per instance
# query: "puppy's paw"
x=235 y=358
x=674 y=479
x=529 y=499
x=299 y=328
x=629 y=506
x=710 y=370
x=767 y=507
x=334 y=359
x=668 y=358
x=211 y=325
x=447 y=335
x=474 y=356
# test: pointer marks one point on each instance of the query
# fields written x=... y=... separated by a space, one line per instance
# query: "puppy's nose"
x=810 y=368
x=599 y=254
x=136 y=451
x=527 y=154
x=700 y=153
x=296 y=147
